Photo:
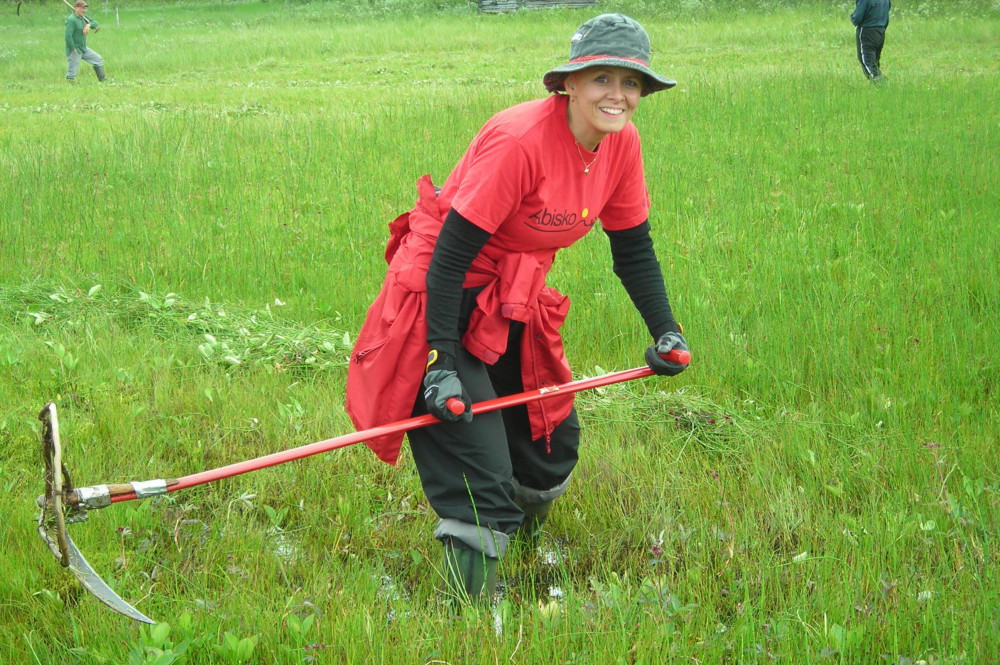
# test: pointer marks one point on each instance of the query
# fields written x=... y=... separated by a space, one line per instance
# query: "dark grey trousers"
x=472 y=472
x=869 y=43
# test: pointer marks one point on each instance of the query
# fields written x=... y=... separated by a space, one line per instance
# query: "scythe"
x=64 y=504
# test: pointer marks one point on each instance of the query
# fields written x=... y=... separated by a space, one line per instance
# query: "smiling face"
x=602 y=101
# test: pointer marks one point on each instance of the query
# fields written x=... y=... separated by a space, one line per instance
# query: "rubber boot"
x=535 y=515
x=99 y=70
x=469 y=575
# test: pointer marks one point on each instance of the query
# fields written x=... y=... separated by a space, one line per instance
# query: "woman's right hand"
x=441 y=385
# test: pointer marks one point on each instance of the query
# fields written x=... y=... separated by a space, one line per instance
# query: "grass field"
x=187 y=251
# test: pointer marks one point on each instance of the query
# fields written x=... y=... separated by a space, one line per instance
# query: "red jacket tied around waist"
x=386 y=367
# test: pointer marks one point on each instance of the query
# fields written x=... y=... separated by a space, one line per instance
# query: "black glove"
x=667 y=342
x=441 y=384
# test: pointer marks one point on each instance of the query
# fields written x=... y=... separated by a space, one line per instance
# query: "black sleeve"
x=636 y=266
x=457 y=247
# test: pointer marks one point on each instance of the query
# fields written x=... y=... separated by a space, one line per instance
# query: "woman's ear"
x=569 y=83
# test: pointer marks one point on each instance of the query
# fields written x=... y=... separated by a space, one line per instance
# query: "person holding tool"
x=464 y=313
x=78 y=26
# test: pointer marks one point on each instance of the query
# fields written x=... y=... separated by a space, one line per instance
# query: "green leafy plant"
x=299 y=631
x=156 y=648
x=236 y=650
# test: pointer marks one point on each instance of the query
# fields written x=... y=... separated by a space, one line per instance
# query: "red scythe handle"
x=400 y=426
x=457 y=407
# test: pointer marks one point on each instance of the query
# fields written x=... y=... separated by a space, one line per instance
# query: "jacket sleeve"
x=70 y=37
x=859 y=12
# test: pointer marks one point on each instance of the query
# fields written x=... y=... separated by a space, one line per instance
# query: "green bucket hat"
x=612 y=40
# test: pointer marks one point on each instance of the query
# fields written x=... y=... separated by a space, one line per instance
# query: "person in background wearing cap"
x=464 y=311
x=78 y=26
x=871 y=18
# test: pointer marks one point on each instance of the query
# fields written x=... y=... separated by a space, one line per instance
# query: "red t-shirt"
x=522 y=179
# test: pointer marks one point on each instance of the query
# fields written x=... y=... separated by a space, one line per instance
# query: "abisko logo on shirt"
x=556 y=222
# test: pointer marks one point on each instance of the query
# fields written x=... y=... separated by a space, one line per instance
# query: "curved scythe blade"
x=81 y=568
x=52 y=522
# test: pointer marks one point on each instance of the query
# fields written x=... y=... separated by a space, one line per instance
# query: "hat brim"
x=555 y=78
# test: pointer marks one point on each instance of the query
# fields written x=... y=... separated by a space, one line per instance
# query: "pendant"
x=586 y=171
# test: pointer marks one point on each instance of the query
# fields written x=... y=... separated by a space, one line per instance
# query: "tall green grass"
x=820 y=485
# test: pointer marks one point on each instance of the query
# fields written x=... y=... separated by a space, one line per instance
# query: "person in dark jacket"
x=871 y=18
x=78 y=26
x=464 y=312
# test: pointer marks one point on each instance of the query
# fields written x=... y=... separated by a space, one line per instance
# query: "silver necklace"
x=586 y=166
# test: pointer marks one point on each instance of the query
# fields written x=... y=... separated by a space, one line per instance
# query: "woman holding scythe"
x=464 y=313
